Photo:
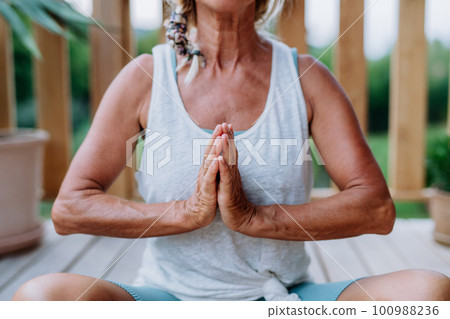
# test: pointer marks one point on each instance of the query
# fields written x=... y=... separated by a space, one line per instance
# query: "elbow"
x=61 y=211
x=385 y=216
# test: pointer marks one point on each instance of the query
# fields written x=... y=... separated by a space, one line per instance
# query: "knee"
x=42 y=288
x=427 y=285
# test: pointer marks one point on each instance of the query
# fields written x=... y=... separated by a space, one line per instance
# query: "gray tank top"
x=214 y=262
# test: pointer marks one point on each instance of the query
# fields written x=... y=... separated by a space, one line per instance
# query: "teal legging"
x=308 y=291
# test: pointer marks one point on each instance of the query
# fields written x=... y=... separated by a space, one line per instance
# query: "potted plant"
x=438 y=169
x=22 y=150
x=21 y=157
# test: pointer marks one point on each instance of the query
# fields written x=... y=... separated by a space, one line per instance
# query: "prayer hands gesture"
x=219 y=184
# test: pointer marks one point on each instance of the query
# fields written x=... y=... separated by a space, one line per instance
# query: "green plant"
x=438 y=163
x=53 y=15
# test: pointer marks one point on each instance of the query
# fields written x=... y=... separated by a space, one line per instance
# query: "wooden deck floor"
x=410 y=245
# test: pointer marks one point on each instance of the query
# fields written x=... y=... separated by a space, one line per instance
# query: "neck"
x=226 y=37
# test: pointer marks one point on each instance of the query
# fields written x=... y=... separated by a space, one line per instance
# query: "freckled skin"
x=231 y=89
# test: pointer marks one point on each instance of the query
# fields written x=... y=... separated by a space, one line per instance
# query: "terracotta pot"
x=21 y=162
x=439 y=206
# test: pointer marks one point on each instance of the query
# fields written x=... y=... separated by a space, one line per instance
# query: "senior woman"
x=232 y=228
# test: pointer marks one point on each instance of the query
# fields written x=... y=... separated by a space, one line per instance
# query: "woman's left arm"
x=362 y=206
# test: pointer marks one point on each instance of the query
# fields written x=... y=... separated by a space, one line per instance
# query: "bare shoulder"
x=315 y=76
x=134 y=85
x=140 y=67
x=137 y=74
x=317 y=81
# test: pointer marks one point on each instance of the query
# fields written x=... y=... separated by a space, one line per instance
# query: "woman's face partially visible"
x=225 y=6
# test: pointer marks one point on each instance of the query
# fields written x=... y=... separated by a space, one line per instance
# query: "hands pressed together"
x=219 y=184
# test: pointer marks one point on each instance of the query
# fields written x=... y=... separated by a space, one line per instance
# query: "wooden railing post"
x=108 y=58
x=7 y=87
x=407 y=117
x=350 y=63
x=291 y=25
x=165 y=15
x=52 y=85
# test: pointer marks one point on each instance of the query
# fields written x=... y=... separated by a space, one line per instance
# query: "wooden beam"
x=52 y=85
x=7 y=86
x=291 y=25
x=408 y=108
x=418 y=195
x=109 y=56
x=110 y=47
x=166 y=11
x=350 y=63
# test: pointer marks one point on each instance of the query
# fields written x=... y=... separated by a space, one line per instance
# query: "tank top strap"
x=295 y=58
x=164 y=86
x=289 y=85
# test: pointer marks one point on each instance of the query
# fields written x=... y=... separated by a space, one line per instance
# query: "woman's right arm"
x=82 y=205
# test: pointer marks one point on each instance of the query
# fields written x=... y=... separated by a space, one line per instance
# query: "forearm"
x=352 y=212
x=105 y=215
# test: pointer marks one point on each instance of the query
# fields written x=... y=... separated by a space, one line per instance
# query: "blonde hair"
x=265 y=10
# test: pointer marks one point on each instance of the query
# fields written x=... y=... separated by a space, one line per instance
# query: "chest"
x=238 y=100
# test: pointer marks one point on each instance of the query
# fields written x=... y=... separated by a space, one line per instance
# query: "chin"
x=225 y=6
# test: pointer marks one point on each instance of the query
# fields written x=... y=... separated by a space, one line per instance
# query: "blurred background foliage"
x=378 y=73
x=53 y=15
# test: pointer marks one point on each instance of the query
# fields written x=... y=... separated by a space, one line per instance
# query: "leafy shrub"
x=438 y=163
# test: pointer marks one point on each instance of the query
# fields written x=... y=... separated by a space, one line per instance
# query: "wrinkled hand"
x=200 y=208
x=236 y=210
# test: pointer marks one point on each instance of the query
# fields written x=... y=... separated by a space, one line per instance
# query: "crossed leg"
x=400 y=285
x=422 y=285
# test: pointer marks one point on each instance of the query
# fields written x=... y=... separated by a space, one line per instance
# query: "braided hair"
x=176 y=35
